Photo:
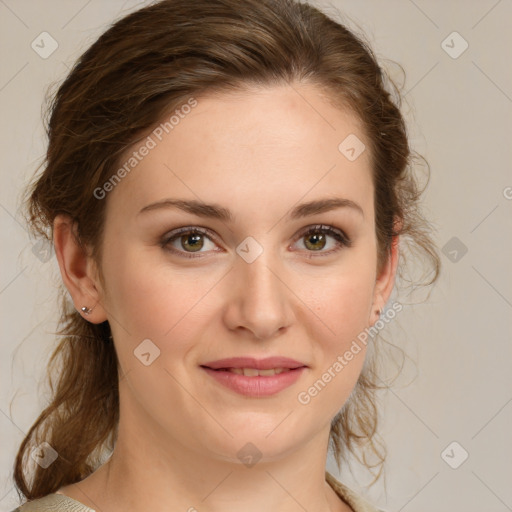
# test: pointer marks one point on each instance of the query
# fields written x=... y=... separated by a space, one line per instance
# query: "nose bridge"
x=261 y=278
x=261 y=302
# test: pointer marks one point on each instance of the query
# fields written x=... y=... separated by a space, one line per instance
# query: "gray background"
x=456 y=387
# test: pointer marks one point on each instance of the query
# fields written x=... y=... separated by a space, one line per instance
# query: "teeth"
x=253 y=372
x=270 y=371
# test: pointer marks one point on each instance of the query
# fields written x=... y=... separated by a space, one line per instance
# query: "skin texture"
x=258 y=153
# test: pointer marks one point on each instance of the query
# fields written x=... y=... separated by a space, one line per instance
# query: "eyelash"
x=341 y=238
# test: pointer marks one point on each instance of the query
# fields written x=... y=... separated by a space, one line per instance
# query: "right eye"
x=188 y=241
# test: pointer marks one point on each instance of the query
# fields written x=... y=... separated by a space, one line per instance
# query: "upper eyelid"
x=174 y=233
x=322 y=227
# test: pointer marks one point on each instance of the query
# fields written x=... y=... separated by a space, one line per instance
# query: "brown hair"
x=145 y=65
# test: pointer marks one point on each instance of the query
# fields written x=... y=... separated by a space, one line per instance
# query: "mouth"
x=255 y=377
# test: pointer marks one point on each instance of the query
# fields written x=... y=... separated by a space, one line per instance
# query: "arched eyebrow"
x=215 y=211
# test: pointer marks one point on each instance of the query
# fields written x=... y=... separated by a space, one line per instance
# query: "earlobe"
x=76 y=268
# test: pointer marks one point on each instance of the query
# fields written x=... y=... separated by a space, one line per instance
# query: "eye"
x=189 y=240
x=316 y=238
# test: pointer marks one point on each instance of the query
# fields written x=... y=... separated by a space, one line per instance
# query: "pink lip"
x=251 y=362
x=260 y=385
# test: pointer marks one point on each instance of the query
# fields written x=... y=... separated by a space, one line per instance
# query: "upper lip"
x=251 y=362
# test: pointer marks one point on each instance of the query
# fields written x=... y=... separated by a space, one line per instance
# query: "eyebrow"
x=223 y=214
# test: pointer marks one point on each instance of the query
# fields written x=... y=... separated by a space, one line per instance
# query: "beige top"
x=61 y=503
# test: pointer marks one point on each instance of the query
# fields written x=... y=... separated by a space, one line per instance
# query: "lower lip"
x=257 y=386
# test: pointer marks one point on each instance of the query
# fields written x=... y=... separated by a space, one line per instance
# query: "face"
x=280 y=264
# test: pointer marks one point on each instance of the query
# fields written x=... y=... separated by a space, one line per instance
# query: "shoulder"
x=356 y=502
x=53 y=503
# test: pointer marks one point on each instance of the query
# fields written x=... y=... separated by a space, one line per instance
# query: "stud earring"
x=86 y=310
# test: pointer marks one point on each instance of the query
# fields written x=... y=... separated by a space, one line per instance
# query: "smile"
x=254 y=383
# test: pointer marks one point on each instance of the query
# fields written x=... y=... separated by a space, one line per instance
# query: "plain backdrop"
x=447 y=421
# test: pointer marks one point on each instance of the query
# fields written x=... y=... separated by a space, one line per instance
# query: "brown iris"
x=315 y=241
x=192 y=242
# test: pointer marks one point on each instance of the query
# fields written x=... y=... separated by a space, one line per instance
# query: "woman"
x=226 y=185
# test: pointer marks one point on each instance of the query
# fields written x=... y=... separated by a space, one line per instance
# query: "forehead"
x=252 y=147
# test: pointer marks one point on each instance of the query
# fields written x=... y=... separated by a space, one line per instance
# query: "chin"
x=255 y=442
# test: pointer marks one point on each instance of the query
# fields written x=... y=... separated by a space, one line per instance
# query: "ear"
x=385 y=281
x=78 y=270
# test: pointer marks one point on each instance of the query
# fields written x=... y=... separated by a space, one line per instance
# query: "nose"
x=259 y=299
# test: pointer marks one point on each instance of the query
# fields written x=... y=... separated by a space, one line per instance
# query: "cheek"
x=342 y=304
x=148 y=300
x=341 y=316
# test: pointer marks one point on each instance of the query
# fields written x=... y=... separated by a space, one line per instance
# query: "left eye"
x=316 y=239
x=187 y=241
